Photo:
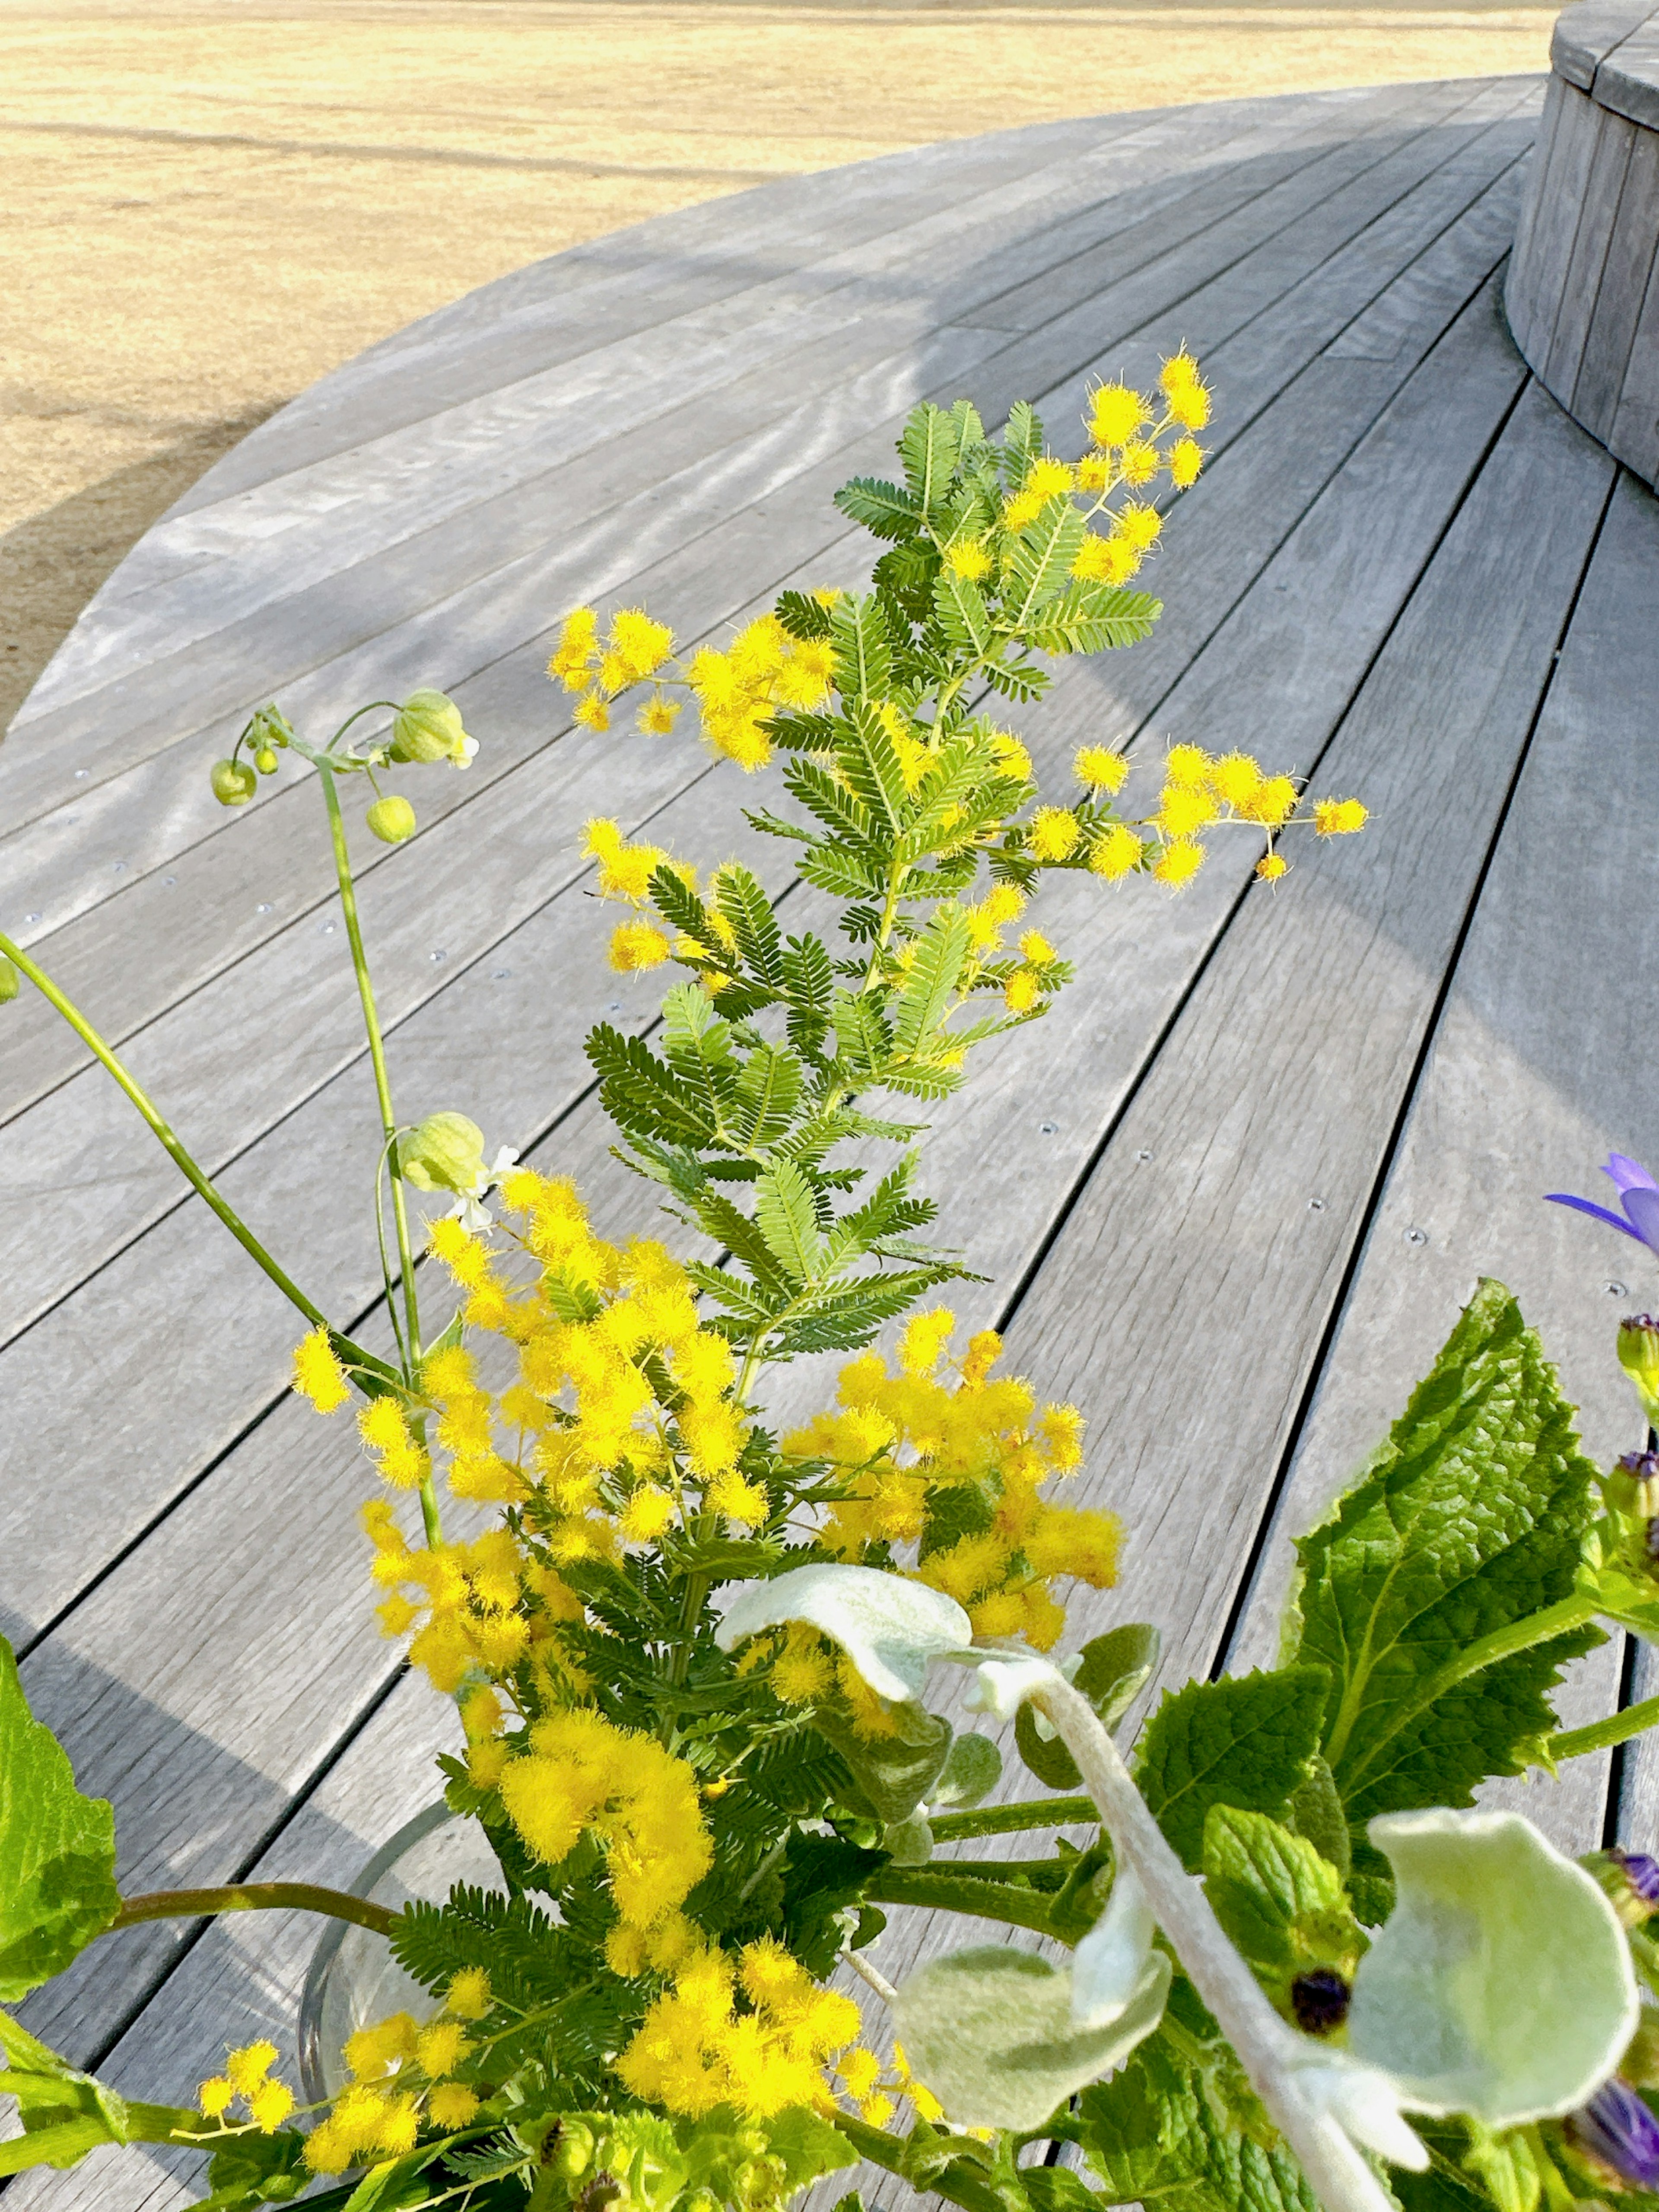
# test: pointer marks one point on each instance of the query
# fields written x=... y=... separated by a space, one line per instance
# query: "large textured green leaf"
x=1471 y=1517
x=1284 y=1905
x=990 y=2032
x=56 y=1850
x=1152 y=2135
x=1248 y=1740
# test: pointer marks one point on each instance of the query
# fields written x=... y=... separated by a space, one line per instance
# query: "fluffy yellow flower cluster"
x=624 y=872
x=696 y=2050
x=956 y=1470
x=762 y=671
x=247 y=2079
x=596 y=669
x=1200 y=789
x=582 y=1443
x=582 y=1775
x=399 y=2079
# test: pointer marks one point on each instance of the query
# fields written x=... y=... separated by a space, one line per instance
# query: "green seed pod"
x=392 y=820
x=443 y=1152
x=265 y=760
x=233 y=782
x=428 y=728
x=10 y=982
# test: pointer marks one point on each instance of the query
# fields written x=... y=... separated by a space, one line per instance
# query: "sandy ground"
x=207 y=205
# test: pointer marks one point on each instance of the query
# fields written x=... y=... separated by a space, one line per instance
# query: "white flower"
x=890 y=1627
x=469 y=1208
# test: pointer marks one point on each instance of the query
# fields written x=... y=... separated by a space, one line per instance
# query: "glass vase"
x=353 y=1980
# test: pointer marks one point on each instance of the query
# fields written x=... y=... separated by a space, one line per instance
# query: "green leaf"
x=1115 y=1669
x=881 y=507
x=1502 y=1986
x=871 y=764
x=1146 y=2132
x=932 y=979
x=1469 y=1519
x=56 y=1850
x=1154 y=2133
x=1316 y=1813
x=769 y=1092
x=641 y=1094
x=1248 y=1740
x=927 y=447
x=786 y=1213
x=960 y=606
x=1089 y=617
x=802 y=614
x=747 y=908
x=990 y=2031
x=1022 y=441
x=863 y=656
x=1283 y=1904
x=807 y=2145
x=895 y=1773
x=968 y=1775
x=1040 y=559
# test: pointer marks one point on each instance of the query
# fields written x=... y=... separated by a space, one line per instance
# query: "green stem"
x=1601 y=1736
x=1015 y=1906
x=388 y=1119
x=376 y=1044
x=958 y=2181
x=254 y=1897
x=1006 y=1820
x=161 y=1128
x=1557 y=1620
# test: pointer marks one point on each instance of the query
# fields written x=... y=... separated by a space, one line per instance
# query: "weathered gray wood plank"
x=1598 y=212
x=1636 y=420
x=401 y=482
x=154 y=965
x=202 y=1019
x=135 y=799
x=1626 y=275
x=1223 y=530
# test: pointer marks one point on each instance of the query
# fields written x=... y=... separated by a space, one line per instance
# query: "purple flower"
x=1641 y=1872
x=1617 y=2127
x=1637 y=1193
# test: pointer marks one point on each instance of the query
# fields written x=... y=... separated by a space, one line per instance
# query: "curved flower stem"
x=1339 y=2175
x=254 y=1897
x=1011 y=1903
x=376 y=1046
x=959 y=2182
x=1599 y=1735
x=1008 y=1819
x=162 y=1129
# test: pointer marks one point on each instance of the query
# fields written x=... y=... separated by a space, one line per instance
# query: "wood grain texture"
x=1201 y=1155
x=1582 y=276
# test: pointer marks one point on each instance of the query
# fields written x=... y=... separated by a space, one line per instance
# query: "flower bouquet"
x=699 y=1662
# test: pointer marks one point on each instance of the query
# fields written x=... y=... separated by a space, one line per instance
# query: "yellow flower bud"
x=10 y=982
x=391 y=819
x=233 y=782
x=428 y=728
x=443 y=1152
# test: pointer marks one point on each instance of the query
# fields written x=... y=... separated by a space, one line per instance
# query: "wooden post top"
x=1610 y=49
